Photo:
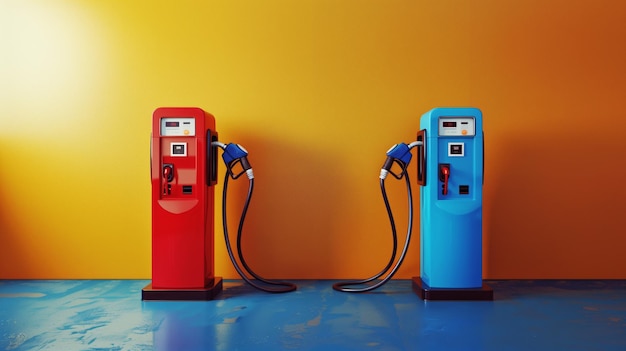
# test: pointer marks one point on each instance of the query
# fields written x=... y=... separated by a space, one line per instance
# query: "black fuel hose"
x=285 y=286
x=344 y=286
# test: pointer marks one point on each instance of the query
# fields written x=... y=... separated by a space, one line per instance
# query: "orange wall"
x=317 y=91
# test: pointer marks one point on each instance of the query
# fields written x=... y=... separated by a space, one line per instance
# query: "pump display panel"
x=178 y=126
x=457 y=126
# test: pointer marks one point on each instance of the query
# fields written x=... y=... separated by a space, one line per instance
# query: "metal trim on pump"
x=421 y=158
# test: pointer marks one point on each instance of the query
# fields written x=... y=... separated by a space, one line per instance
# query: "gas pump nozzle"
x=399 y=153
x=233 y=154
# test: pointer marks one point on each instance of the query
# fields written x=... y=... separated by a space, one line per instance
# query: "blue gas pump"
x=450 y=172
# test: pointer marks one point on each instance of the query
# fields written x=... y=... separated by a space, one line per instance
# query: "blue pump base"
x=203 y=294
x=425 y=292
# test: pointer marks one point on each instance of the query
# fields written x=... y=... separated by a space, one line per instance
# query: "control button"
x=178 y=149
x=464 y=189
x=456 y=149
x=464 y=132
x=186 y=132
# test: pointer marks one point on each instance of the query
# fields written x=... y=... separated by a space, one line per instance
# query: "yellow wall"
x=317 y=91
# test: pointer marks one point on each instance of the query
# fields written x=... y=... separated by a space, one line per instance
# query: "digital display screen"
x=449 y=124
x=178 y=149
x=171 y=124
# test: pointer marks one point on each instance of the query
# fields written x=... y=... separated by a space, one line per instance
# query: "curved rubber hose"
x=287 y=287
x=342 y=286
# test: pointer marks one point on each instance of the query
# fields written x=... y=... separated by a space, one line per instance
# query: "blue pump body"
x=451 y=224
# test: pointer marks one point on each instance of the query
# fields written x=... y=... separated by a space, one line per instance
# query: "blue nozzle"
x=233 y=152
x=400 y=152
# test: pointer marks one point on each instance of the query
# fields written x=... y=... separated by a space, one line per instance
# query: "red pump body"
x=183 y=170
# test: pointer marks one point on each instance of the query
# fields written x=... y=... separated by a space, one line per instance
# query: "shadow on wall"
x=552 y=209
x=289 y=225
x=7 y=238
x=16 y=236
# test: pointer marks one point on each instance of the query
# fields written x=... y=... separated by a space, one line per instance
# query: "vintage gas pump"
x=184 y=171
x=450 y=172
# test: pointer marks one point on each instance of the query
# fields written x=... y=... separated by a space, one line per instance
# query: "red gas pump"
x=184 y=171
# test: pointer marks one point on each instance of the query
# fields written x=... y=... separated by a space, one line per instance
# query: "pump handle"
x=421 y=158
x=444 y=176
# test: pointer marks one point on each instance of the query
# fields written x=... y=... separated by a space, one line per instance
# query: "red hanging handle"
x=167 y=171
x=445 y=170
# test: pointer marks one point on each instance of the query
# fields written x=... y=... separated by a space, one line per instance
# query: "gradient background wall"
x=317 y=91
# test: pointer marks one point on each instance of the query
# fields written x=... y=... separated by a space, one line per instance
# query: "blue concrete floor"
x=110 y=315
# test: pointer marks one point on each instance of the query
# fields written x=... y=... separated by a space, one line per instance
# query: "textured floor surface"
x=110 y=315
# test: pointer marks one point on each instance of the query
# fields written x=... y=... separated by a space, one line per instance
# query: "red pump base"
x=425 y=292
x=200 y=294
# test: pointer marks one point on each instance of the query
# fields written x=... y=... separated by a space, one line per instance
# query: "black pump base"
x=425 y=292
x=202 y=294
